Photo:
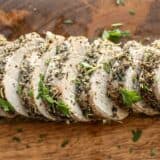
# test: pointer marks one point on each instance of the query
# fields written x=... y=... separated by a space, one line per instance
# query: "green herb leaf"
x=64 y=143
x=115 y=35
x=136 y=134
x=120 y=2
x=86 y=65
x=153 y=152
x=47 y=62
x=16 y=139
x=89 y=69
x=68 y=21
x=144 y=87
x=19 y=90
x=62 y=107
x=43 y=91
x=107 y=67
x=129 y=96
x=19 y=130
x=130 y=150
x=30 y=93
x=5 y=105
x=132 y=12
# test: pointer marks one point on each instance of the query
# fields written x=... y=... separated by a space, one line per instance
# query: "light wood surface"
x=33 y=140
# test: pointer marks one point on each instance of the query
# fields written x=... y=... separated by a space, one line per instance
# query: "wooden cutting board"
x=32 y=140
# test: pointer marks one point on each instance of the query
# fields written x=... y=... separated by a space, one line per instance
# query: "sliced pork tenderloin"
x=60 y=79
x=149 y=79
x=26 y=75
x=39 y=71
x=92 y=83
x=124 y=86
x=156 y=44
x=7 y=51
x=12 y=70
x=99 y=100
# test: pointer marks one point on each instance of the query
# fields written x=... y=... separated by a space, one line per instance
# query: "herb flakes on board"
x=132 y=12
x=64 y=143
x=153 y=152
x=136 y=135
x=115 y=35
x=5 y=105
x=16 y=139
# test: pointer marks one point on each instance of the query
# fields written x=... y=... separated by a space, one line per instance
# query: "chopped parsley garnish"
x=19 y=130
x=30 y=93
x=89 y=69
x=68 y=21
x=16 y=139
x=153 y=152
x=115 y=35
x=19 y=90
x=107 y=67
x=115 y=25
x=5 y=105
x=120 y=2
x=144 y=87
x=62 y=107
x=136 y=134
x=64 y=143
x=129 y=96
x=132 y=12
x=44 y=93
x=86 y=65
x=47 y=62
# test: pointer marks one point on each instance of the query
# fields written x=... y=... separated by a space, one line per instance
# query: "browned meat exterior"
x=70 y=79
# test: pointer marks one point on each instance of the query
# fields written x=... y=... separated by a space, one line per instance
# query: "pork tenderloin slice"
x=7 y=52
x=157 y=83
x=62 y=73
x=42 y=64
x=156 y=44
x=101 y=104
x=10 y=80
x=27 y=70
x=137 y=52
x=125 y=71
x=148 y=78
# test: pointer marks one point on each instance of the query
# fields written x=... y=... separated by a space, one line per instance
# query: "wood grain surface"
x=33 y=140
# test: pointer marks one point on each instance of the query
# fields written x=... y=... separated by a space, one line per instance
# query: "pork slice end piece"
x=80 y=48
x=11 y=82
x=157 y=83
x=102 y=105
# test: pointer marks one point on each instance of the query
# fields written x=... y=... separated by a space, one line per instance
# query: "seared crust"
x=149 y=69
